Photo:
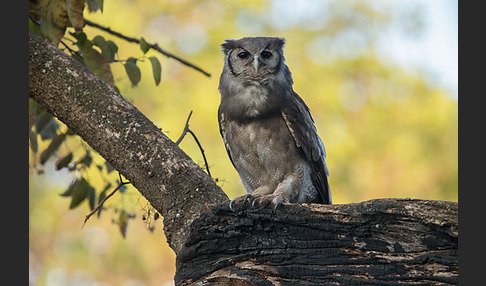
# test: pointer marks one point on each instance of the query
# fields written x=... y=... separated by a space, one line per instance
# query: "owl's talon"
x=276 y=206
x=247 y=197
x=254 y=201
x=230 y=205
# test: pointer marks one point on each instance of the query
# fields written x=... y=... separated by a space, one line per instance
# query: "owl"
x=267 y=129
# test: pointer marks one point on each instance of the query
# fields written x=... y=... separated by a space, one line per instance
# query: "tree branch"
x=188 y=130
x=389 y=242
x=100 y=204
x=174 y=185
x=153 y=46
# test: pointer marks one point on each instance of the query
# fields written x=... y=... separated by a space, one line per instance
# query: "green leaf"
x=108 y=48
x=70 y=132
x=96 y=62
x=50 y=130
x=122 y=189
x=54 y=20
x=80 y=193
x=33 y=141
x=109 y=167
x=123 y=223
x=52 y=32
x=41 y=121
x=75 y=14
x=112 y=47
x=156 y=69
x=98 y=41
x=53 y=146
x=34 y=107
x=70 y=190
x=91 y=195
x=133 y=71
x=34 y=27
x=100 y=4
x=81 y=37
x=95 y=5
x=46 y=126
x=144 y=46
x=86 y=160
x=64 y=161
x=103 y=192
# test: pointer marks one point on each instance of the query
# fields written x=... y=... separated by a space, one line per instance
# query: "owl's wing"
x=222 y=130
x=299 y=121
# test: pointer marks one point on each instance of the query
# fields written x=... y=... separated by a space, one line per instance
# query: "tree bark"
x=379 y=242
x=175 y=186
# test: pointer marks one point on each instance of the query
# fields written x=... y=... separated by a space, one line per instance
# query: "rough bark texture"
x=120 y=133
x=377 y=242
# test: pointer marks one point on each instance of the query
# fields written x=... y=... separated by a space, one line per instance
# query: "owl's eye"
x=243 y=54
x=266 y=54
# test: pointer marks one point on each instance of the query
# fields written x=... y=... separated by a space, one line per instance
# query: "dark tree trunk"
x=377 y=242
x=380 y=242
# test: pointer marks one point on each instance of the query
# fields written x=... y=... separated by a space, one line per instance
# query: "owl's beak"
x=255 y=62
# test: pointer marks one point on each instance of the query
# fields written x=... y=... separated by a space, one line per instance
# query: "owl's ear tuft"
x=279 y=43
x=228 y=45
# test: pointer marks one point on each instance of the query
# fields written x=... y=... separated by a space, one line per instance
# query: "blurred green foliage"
x=387 y=132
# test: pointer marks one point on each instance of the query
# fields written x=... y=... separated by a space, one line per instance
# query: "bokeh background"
x=380 y=78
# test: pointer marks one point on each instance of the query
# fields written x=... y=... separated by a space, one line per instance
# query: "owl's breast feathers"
x=286 y=121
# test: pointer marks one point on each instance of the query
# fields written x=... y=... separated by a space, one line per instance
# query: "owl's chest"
x=261 y=145
x=250 y=100
x=253 y=100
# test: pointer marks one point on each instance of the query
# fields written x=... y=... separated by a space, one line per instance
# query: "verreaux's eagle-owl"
x=267 y=128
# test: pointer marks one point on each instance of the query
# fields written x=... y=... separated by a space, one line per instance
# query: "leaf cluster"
x=51 y=19
x=46 y=137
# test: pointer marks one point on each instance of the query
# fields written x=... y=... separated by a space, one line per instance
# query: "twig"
x=186 y=127
x=188 y=130
x=202 y=150
x=153 y=46
x=68 y=48
x=100 y=204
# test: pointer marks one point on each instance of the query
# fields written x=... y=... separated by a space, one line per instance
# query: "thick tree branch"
x=378 y=242
x=175 y=186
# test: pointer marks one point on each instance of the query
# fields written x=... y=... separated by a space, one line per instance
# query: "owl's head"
x=254 y=57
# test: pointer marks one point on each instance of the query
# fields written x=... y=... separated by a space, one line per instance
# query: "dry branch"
x=100 y=204
x=153 y=46
x=184 y=133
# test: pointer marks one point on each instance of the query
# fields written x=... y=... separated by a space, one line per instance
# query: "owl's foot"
x=258 y=200
x=273 y=200
x=238 y=199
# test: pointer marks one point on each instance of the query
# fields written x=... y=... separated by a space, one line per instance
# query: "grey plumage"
x=267 y=128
